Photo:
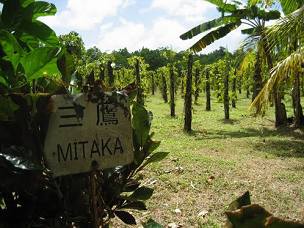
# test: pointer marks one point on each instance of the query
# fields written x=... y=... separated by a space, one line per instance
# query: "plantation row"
x=36 y=64
x=225 y=73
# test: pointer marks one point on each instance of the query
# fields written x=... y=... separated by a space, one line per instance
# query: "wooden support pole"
x=97 y=220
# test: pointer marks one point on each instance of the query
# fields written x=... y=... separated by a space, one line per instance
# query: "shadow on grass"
x=230 y=121
x=248 y=132
x=282 y=148
x=274 y=142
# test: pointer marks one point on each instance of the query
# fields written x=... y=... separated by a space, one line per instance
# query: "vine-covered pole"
x=188 y=96
x=153 y=83
x=164 y=89
x=172 y=92
x=138 y=82
x=208 y=93
x=110 y=73
x=196 y=81
x=226 y=91
x=234 y=96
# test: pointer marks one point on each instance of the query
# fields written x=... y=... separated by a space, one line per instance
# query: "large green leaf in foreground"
x=38 y=9
x=40 y=62
x=11 y=48
x=141 y=122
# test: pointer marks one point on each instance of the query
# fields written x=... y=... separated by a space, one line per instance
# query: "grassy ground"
x=243 y=153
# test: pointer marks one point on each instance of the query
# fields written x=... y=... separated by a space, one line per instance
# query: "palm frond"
x=283 y=29
x=213 y=36
x=223 y=5
x=248 y=61
x=207 y=26
x=290 y=6
x=290 y=66
x=250 y=42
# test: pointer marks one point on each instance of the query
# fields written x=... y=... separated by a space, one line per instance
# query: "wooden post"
x=153 y=83
x=226 y=89
x=196 y=81
x=95 y=194
x=139 y=97
x=188 y=96
x=110 y=73
x=164 y=89
x=208 y=105
x=172 y=91
x=233 y=101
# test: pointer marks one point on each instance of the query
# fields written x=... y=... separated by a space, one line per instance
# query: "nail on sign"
x=86 y=129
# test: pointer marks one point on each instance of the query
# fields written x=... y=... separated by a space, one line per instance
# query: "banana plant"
x=233 y=15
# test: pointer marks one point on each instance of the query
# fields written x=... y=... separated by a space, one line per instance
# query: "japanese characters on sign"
x=86 y=129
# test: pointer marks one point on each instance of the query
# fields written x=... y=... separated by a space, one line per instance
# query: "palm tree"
x=253 y=16
x=286 y=34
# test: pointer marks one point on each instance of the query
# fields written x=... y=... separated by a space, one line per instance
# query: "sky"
x=134 y=24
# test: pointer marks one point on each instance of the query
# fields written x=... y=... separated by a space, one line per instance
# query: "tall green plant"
x=286 y=37
x=30 y=49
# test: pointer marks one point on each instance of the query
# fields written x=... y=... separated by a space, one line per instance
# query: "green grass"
x=243 y=153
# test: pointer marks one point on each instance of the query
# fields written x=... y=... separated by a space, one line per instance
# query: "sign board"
x=86 y=129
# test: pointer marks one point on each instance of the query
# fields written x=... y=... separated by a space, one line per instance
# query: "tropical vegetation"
x=193 y=96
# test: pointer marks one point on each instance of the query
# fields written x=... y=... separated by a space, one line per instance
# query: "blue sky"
x=114 y=24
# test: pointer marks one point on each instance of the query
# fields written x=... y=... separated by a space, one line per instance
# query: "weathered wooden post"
x=208 y=93
x=172 y=91
x=188 y=96
x=226 y=91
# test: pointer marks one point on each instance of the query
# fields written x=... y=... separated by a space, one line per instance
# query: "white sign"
x=88 y=129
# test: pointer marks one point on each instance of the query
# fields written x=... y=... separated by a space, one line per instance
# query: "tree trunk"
x=280 y=111
x=257 y=78
x=298 y=113
x=91 y=78
x=196 y=81
x=102 y=73
x=182 y=92
x=164 y=89
x=208 y=105
x=188 y=96
x=218 y=91
x=153 y=83
x=139 y=98
x=247 y=93
x=110 y=73
x=234 y=96
x=302 y=85
x=226 y=90
x=240 y=84
x=172 y=92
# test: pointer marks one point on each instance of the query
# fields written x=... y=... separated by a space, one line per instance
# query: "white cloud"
x=128 y=3
x=128 y=34
x=84 y=15
x=105 y=27
x=100 y=24
x=163 y=33
x=191 y=10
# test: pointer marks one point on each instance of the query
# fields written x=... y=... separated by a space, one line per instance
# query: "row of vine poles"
x=190 y=80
